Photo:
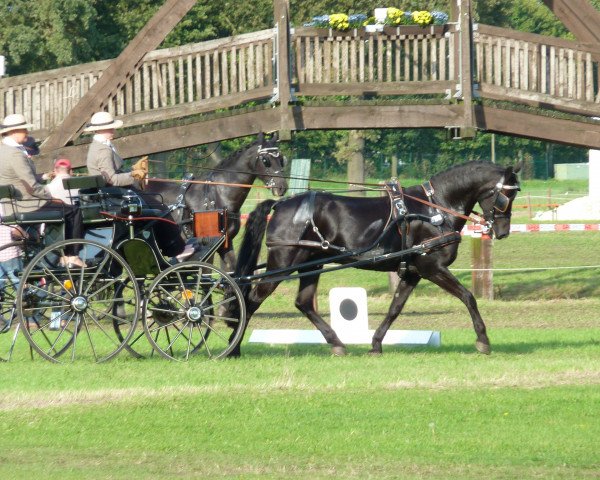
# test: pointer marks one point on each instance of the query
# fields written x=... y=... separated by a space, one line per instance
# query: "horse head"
x=270 y=163
x=496 y=202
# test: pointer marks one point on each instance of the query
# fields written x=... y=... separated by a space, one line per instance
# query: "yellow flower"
x=394 y=16
x=339 y=21
x=422 y=18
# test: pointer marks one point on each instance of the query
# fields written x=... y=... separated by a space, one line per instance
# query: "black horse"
x=261 y=159
x=323 y=228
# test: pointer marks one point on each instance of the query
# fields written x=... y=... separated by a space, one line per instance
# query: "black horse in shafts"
x=229 y=189
x=300 y=226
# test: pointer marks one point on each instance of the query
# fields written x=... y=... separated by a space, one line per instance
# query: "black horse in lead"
x=304 y=229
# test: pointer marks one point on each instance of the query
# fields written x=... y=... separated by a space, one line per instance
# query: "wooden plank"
x=539 y=100
x=181 y=80
x=326 y=61
x=579 y=80
x=207 y=81
x=251 y=68
x=579 y=16
x=589 y=78
x=233 y=69
x=190 y=77
x=163 y=84
x=147 y=39
x=361 y=62
x=335 y=67
x=538 y=127
x=387 y=88
x=388 y=60
x=345 y=60
x=242 y=70
x=137 y=90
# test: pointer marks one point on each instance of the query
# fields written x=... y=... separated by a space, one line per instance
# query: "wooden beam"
x=282 y=22
x=568 y=132
x=538 y=127
x=466 y=62
x=149 y=38
x=579 y=16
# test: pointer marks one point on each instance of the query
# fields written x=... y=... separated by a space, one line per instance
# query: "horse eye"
x=266 y=162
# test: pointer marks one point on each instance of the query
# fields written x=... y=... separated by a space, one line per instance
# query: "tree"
x=46 y=34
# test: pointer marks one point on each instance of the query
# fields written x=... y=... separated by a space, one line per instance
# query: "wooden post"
x=487 y=284
x=481 y=263
x=282 y=23
x=466 y=63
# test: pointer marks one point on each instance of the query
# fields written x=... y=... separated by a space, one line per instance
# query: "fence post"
x=481 y=262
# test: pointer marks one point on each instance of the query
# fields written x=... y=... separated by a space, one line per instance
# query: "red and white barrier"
x=540 y=227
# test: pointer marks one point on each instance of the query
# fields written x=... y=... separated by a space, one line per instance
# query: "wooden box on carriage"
x=210 y=224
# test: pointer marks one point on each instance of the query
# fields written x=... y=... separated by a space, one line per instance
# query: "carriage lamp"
x=131 y=204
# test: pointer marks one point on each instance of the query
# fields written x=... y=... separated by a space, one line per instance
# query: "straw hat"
x=102 y=121
x=15 y=121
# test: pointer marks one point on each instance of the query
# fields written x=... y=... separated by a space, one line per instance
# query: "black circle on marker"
x=348 y=309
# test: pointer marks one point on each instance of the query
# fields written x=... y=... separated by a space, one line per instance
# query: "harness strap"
x=437 y=219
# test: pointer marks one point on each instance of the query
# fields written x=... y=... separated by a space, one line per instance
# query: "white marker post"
x=350 y=320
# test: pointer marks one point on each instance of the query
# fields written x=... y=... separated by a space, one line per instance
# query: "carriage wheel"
x=66 y=311
x=137 y=346
x=9 y=325
x=185 y=312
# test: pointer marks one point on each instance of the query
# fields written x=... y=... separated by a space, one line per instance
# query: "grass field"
x=529 y=410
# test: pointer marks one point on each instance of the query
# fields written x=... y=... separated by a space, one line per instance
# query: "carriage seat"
x=8 y=192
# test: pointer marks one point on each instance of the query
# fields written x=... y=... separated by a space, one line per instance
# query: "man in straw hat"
x=103 y=159
x=17 y=169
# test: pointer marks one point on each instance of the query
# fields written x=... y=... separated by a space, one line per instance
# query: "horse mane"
x=232 y=159
x=458 y=173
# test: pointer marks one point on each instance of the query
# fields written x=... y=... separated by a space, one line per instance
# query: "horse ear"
x=261 y=138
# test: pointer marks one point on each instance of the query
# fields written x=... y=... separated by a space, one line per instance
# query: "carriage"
x=129 y=295
x=130 y=291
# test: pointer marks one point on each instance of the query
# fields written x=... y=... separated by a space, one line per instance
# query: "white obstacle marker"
x=350 y=320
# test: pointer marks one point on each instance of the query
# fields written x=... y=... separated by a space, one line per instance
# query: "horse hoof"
x=338 y=351
x=483 y=347
x=375 y=353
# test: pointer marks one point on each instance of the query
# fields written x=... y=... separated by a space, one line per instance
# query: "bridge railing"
x=397 y=61
x=196 y=77
x=534 y=69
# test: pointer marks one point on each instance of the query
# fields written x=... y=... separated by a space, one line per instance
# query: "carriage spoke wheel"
x=137 y=346
x=9 y=326
x=15 y=255
x=66 y=311
x=194 y=309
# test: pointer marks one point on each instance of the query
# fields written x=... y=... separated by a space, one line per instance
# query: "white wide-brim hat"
x=14 y=121
x=102 y=121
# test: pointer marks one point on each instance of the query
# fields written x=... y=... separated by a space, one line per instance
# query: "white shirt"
x=56 y=189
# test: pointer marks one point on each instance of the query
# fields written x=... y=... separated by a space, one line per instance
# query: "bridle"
x=266 y=155
x=500 y=201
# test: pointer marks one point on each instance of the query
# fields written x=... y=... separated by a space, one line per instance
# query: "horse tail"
x=256 y=225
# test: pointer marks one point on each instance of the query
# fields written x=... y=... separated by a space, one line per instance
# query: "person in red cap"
x=62 y=169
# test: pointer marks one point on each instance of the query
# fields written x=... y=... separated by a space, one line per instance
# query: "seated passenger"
x=17 y=169
x=62 y=169
x=103 y=159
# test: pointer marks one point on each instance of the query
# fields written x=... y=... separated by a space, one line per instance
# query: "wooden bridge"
x=458 y=76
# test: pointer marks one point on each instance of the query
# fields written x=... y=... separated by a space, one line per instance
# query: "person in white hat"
x=17 y=169
x=103 y=159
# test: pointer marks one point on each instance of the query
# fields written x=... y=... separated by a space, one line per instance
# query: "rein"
x=205 y=182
